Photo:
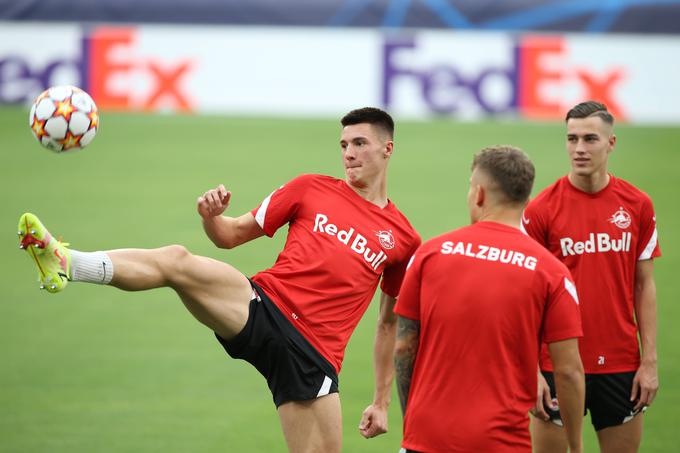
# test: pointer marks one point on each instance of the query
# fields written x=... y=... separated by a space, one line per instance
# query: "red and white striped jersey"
x=600 y=237
x=338 y=247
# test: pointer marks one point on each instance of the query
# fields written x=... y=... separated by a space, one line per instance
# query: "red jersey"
x=486 y=296
x=338 y=247
x=600 y=237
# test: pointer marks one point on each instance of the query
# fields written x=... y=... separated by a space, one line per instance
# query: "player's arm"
x=405 y=350
x=225 y=232
x=374 y=418
x=570 y=386
x=646 y=381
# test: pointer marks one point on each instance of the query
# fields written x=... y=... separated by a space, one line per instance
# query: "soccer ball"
x=64 y=118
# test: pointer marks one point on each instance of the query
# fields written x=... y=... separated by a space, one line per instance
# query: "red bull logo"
x=596 y=243
x=352 y=238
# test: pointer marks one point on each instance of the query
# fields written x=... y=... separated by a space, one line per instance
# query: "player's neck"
x=592 y=183
x=509 y=217
x=374 y=192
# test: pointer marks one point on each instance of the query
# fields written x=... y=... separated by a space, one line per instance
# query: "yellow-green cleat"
x=51 y=257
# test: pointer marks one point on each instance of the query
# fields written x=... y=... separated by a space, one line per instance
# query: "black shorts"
x=294 y=370
x=607 y=399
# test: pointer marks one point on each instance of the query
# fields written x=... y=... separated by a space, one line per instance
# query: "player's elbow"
x=219 y=241
x=570 y=371
x=225 y=243
x=566 y=359
x=404 y=348
x=387 y=321
x=400 y=349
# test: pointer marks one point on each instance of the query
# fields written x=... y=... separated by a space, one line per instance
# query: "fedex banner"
x=306 y=71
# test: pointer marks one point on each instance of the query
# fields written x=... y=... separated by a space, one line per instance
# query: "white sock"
x=91 y=267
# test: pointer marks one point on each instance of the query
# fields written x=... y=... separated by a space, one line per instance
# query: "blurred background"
x=528 y=59
x=249 y=93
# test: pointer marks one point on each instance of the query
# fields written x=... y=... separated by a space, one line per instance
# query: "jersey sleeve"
x=281 y=205
x=408 y=303
x=394 y=275
x=648 y=245
x=562 y=316
x=533 y=223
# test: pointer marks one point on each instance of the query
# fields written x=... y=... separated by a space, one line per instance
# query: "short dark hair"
x=371 y=115
x=510 y=168
x=588 y=109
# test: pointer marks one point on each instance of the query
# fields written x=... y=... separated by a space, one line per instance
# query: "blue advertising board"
x=618 y=16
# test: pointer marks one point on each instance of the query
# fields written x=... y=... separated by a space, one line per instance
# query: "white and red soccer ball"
x=63 y=118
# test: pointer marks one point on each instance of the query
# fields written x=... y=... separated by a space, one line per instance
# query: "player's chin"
x=353 y=175
x=581 y=170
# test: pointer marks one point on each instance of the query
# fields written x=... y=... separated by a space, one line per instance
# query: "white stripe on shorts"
x=325 y=387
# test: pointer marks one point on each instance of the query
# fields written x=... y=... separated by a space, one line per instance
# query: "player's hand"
x=213 y=202
x=543 y=399
x=373 y=421
x=645 y=385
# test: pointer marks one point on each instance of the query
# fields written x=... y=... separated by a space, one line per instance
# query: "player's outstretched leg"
x=216 y=293
x=51 y=257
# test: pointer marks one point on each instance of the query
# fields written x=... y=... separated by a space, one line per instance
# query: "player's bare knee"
x=332 y=446
x=175 y=258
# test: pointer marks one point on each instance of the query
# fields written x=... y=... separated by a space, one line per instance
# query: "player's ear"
x=389 y=148
x=612 y=142
x=480 y=195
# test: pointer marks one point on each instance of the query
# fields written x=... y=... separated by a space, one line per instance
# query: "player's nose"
x=580 y=147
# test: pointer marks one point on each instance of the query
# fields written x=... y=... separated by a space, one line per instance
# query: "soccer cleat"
x=51 y=257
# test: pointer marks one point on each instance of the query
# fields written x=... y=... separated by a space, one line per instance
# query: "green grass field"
x=96 y=369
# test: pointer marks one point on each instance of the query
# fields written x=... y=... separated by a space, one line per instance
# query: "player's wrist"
x=381 y=404
x=648 y=360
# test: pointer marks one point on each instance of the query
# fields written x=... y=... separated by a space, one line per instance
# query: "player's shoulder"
x=547 y=262
x=307 y=181
x=457 y=235
x=400 y=218
x=553 y=190
x=429 y=248
x=313 y=177
x=623 y=186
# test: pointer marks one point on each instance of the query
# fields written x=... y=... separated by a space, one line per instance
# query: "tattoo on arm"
x=408 y=331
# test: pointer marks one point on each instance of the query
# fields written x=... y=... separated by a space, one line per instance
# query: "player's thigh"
x=547 y=437
x=623 y=438
x=216 y=293
x=609 y=399
x=312 y=426
x=618 y=425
